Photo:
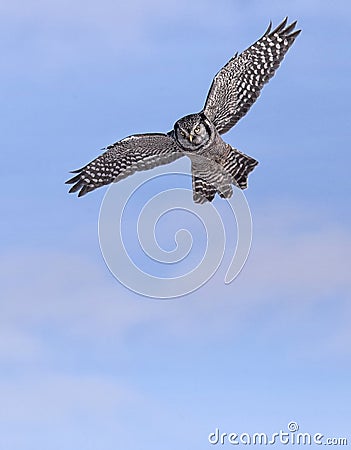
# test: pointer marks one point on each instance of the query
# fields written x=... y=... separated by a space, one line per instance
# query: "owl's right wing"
x=123 y=158
x=238 y=84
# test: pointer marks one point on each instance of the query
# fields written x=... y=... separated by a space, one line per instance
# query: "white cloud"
x=51 y=397
x=17 y=345
x=314 y=257
x=78 y=297
x=57 y=303
x=57 y=35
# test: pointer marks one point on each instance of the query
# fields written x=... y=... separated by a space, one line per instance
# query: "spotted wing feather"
x=134 y=153
x=238 y=84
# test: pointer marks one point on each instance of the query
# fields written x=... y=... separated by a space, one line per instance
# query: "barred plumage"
x=215 y=164
x=238 y=84
x=123 y=158
x=217 y=175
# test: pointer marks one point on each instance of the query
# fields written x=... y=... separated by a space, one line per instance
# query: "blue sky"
x=87 y=364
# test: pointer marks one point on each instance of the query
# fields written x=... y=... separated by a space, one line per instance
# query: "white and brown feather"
x=238 y=84
x=216 y=166
x=216 y=175
x=134 y=153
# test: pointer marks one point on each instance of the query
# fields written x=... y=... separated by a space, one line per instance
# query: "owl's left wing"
x=123 y=158
x=238 y=84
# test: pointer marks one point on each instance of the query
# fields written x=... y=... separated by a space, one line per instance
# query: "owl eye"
x=182 y=133
x=197 y=129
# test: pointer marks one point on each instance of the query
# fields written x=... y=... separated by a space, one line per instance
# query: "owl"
x=215 y=165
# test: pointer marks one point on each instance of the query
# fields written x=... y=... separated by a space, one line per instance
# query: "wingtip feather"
x=74 y=189
x=281 y=26
x=294 y=34
x=268 y=28
x=73 y=180
x=290 y=27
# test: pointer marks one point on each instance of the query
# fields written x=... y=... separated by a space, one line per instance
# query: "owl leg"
x=203 y=191
x=208 y=179
x=211 y=177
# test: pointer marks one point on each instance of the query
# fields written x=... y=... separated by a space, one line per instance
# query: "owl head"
x=193 y=132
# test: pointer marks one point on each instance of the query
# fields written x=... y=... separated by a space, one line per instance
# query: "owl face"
x=192 y=132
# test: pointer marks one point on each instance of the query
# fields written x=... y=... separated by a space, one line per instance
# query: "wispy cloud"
x=78 y=297
x=84 y=362
x=61 y=397
x=57 y=34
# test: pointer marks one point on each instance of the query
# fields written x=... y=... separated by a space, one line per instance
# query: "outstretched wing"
x=238 y=84
x=134 y=153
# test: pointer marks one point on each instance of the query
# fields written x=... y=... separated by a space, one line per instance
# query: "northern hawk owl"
x=215 y=165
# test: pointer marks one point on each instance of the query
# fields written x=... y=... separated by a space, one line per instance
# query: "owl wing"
x=238 y=84
x=123 y=158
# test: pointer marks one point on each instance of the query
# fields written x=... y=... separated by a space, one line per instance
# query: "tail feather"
x=239 y=166
x=211 y=177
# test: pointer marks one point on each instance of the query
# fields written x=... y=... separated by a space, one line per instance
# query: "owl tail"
x=239 y=165
x=210 y=177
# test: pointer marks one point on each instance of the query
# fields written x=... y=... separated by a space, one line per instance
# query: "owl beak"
x=191 y=137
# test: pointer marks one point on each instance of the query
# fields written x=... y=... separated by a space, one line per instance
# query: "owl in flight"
x=215 y=165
